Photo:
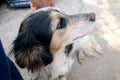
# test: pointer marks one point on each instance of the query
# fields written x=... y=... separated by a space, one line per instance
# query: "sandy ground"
x=104 y=67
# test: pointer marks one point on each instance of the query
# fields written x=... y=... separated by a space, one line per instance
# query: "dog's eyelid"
x=62 y=23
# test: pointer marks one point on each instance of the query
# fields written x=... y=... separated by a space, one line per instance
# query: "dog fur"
x=46 y=40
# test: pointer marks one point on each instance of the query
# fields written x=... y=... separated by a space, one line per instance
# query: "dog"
x=46 y=40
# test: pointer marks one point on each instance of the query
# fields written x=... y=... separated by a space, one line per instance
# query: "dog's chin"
x=87 y=29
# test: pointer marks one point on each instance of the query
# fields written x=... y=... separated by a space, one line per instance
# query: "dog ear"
x=29 y=54
x=31 y=47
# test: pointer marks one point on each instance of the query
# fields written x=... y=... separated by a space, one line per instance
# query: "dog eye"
x=62 y=23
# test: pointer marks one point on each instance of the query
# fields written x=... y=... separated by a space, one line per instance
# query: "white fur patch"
x=66 y=67
x=62 y=64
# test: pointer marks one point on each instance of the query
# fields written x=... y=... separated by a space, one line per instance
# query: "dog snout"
x=92 y=16
x=85 y=16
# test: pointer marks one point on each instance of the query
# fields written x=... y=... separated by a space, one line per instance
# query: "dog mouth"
x=77 y=38
x=80 y=36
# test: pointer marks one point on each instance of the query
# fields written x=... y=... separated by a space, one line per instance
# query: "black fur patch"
x=68 y=49
x=31 y=47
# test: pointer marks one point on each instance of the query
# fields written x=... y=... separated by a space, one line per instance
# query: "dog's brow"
x=57 y=10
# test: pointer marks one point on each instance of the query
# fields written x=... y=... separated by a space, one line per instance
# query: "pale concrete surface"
x=104 y=67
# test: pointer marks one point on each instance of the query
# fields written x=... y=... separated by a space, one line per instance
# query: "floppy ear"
x=30 y=55
x=31 y=47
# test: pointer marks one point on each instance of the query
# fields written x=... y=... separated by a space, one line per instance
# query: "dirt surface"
x=107 y=32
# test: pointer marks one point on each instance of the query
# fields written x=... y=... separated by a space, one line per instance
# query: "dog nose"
x=92 y=16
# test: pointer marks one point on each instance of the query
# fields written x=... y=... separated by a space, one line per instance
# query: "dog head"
x=46 y=31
